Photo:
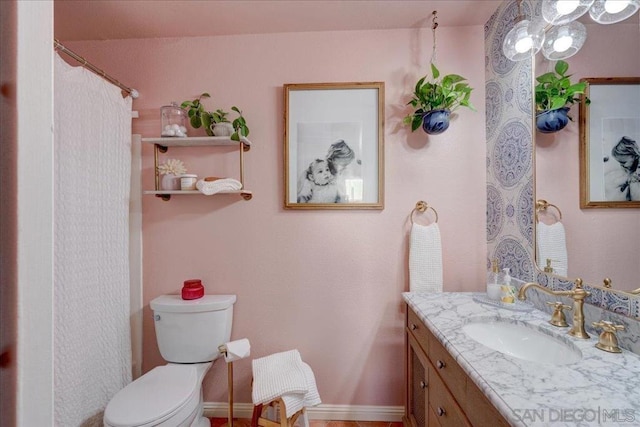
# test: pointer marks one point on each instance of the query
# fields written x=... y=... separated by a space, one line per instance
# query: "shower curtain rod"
x=88 y=65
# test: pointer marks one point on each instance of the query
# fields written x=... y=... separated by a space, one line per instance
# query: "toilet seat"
x=155 y=397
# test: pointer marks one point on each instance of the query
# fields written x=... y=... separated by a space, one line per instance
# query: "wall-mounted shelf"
x=161 y=145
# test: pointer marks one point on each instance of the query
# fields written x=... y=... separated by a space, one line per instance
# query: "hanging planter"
x=435 y=122
x=554 y=93
x=552 y=120
x=435 y=99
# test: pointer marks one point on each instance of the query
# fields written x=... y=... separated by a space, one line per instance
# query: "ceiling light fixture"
x=524 y=39
x=563 y=36
x=612 y=11
x=559 y=12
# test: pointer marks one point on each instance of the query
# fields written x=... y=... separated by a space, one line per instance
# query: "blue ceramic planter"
x=436 y=121
x=552 y=120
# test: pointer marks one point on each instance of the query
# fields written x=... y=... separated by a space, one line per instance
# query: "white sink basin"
x=523 y=341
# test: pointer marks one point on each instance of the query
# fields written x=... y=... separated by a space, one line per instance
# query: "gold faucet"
x=578 y=294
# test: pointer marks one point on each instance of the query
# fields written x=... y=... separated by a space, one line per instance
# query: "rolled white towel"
x=219 y=185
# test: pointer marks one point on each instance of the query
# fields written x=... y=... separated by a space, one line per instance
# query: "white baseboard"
x=320 y=412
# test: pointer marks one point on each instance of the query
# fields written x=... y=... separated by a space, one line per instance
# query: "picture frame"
x=610 y=143
x=334 y=145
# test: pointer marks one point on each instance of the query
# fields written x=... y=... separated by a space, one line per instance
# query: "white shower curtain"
x=92 y=156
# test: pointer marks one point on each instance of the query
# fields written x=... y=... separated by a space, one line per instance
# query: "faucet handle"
x=608 y=340
x=558 y=318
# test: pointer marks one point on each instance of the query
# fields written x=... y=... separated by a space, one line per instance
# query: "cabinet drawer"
x=418 y=329
x=451 y=373
x=480 y=411
x=442 y=406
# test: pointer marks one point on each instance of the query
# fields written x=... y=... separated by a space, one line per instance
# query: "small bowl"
x=494 y=291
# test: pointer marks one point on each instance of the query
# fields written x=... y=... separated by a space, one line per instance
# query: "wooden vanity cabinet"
x=438 y=391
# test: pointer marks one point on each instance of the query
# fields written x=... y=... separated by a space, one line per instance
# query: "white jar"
x=188 y=182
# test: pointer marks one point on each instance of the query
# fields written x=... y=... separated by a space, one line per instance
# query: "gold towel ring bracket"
x=422 y=207
x=543 y=205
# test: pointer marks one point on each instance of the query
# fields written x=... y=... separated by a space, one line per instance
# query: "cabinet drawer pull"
x=414 y=326
x=440 y=364
x=423 y=384
x=441 y=411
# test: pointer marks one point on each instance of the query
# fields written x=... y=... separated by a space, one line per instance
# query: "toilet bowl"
x=188 y=333
x=166 y=396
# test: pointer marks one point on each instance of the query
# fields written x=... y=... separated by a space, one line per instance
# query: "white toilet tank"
x=190 y=331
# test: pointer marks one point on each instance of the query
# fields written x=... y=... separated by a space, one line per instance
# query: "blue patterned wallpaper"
x=509 y=150
x=510 y=165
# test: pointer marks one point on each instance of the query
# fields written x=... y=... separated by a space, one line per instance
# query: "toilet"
x=188 y=334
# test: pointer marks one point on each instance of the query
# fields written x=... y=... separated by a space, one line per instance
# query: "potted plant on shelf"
x=215 y=123
x=221 y=125
x=436 y=99
x=554 y=93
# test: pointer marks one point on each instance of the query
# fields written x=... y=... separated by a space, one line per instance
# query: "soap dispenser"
x=508 y=291
x=494 y=291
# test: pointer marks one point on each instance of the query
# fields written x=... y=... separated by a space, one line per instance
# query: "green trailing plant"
x=554 y=89
x=448 y=92
x=219 y=116
x=200 y=117
x=240 y=127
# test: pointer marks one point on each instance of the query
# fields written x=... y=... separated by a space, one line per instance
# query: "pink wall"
x=600 y=242
x=325 y=282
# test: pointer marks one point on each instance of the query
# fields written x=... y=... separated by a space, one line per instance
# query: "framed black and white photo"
x=334 y=146
x=610 y=143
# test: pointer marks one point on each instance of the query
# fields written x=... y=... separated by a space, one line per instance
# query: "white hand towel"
x=237 y=350
x=293 y=402
x=425 y=259
x=551 y=241
x=219 y=185
x=277 y=375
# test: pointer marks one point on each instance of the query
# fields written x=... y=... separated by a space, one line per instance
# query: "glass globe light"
x=564 y=41
x=559 y=12
x=612 y=11
x=523 y=40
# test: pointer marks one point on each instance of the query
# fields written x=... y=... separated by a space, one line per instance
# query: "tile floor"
x=242 y=422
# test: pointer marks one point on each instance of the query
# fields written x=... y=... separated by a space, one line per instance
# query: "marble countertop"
x=600 y=389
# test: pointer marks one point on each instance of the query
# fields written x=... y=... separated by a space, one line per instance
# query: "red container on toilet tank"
x=192 y=289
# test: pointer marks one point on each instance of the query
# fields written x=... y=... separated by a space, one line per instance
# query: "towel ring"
x=543 y=205
x=422 y=206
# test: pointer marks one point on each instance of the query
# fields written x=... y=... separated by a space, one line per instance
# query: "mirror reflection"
x=593 y=244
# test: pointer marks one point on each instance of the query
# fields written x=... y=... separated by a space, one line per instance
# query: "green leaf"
x=206 y=120
x=416 y=122
x=434 y=71
x=196 y=122
x=561 y=67
x=557 y=103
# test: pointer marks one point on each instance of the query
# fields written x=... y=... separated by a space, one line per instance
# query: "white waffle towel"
x=552 y=245
x=218 y=186
x=425 y=259
x=284 y=375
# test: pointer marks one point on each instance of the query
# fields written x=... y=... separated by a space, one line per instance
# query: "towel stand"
x=422 y=207
x=542 y=206
x=259 y=417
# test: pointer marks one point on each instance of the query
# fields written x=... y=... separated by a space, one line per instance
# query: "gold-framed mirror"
x=600 y=243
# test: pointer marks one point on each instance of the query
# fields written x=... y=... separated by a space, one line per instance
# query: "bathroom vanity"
x=454 y=380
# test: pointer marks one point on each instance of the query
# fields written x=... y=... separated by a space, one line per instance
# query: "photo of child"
x=325 y=180
x=623 y=181
x=319 y=184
